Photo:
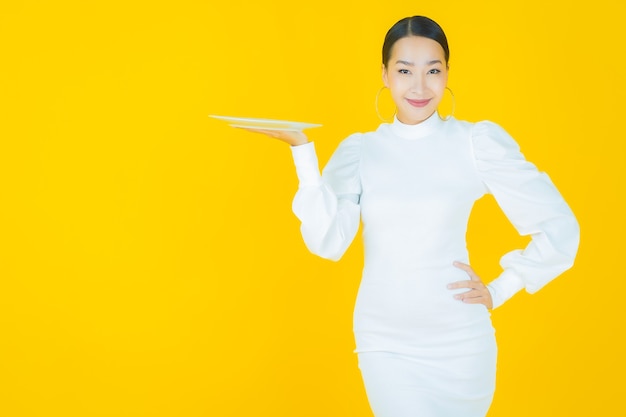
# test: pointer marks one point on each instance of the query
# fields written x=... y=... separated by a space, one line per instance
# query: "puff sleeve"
x=533 y=205
x=327 y=205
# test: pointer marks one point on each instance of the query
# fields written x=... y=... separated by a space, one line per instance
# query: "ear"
x=384 y=75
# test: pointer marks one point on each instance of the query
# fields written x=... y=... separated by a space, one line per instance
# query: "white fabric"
x=408 y=386
x=413 y=187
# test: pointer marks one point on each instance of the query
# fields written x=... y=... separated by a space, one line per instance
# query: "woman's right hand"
x=293 y=138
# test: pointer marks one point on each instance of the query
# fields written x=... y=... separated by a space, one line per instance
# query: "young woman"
x=422 y=325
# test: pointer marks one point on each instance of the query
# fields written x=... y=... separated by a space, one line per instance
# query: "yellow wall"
x=150 y=264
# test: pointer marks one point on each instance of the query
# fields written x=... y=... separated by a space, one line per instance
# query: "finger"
x=468 y=269
x=465 y=267
x=479 y=294
x=474 y=284
x=461 y=284
x=475 y=300
x=471 y=292
x=471 y=296
x=271 y=133
x=250 y=129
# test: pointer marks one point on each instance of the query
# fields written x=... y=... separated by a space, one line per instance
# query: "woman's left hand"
x=478 y=292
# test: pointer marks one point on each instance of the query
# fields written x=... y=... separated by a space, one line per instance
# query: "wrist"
x=299 y=142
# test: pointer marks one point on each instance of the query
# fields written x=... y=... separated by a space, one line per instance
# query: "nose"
x=419 y=84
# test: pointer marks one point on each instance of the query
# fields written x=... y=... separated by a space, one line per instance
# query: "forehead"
x=416 y=48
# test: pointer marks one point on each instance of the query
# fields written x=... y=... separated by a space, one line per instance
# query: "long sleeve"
x=533 y=205
x=327 y=205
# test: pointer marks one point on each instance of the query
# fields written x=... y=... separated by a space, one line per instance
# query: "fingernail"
x=449 y=286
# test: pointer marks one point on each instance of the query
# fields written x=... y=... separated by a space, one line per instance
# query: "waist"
x=414 y=268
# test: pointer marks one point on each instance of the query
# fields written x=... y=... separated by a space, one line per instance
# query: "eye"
x=434 y=71
x=404 y=71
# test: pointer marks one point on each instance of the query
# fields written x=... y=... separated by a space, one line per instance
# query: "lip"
x=418 y=103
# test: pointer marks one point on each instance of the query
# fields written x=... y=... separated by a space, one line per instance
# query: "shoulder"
x=488 y=128
x=353 y=140
x=353 y=144
x=347 y=154
x=350 y=147
x=490 y=140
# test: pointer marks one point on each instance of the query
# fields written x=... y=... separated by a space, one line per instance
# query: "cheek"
x=398 y=85
x=443 y=82
x=439 y=86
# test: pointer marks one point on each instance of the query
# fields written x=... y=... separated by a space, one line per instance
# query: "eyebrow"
x=410 y=64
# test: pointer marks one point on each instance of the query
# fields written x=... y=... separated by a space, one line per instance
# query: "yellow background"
x=150 y=264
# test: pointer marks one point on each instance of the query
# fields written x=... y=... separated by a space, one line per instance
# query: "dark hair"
x=414 y=26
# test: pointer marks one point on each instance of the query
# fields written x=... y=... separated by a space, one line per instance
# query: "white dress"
x=421 y=352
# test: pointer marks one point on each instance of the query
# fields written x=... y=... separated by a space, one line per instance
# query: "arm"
x=534 y=206
x=327 y=205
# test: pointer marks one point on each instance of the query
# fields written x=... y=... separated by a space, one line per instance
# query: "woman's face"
x=416 y=75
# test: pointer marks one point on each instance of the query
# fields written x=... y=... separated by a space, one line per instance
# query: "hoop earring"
x=448 y=117
x=376 y=107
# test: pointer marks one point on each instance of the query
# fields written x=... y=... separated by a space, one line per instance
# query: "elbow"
x=331 y=256
x=574 y=240
x=331 y=239
x=328 y=246
x=324 y=251
x=564 y=235
x=570 y=239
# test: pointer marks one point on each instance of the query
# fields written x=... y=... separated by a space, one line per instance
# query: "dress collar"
x=420 y=130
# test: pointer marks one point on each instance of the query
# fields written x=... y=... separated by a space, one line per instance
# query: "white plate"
x=266 y=124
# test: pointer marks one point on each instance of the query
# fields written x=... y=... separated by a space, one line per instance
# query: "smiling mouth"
x=418 y=103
